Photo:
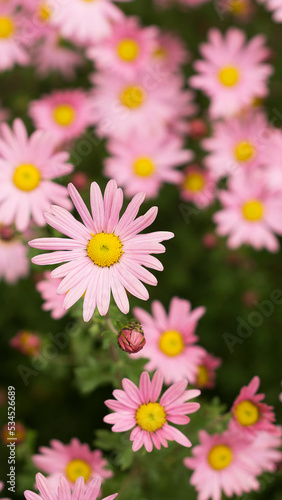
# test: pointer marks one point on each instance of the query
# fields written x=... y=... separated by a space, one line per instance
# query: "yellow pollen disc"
x=203 y=376
x=104 y=249
x=132 y=97
x=128 y=50
x=220 y=456
x=171 y=343
x=253 y=210
x=237 y=6
x=194 y=182
x=244 y=151
x=44 y=12
x=144 y=167
x=150 y=417
x=6 y=27
x=64 y=115
x=247 y=413
x=228 y=76
x=77 y=468
x=26 y=177
x=24 y=342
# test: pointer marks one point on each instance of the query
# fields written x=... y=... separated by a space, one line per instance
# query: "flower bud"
x=131 y=338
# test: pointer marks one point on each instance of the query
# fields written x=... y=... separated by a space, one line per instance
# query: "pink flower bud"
x=6 y=233
x=131 y=338
x=80 y=180
x=197 y=129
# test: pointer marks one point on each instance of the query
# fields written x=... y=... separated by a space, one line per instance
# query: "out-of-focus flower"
x=142 y=164
x=198 y=186
x=209 y=240
x=265 y=450
x=104 y=254
x=249 y=298
x=13 y=40
x=14 y=262
x=249 y=413
x=26 y=342
x=131 y=338
x=251 y=213
x=170 y=53
x=27 y=167
x=65 y=114
x=52 y=301
x=4 y=114
x=206 y=371
x=71 y=461
x=138 y=408
x=197 y=128
x=80 y=180
x=275 y=6
x=13 y=433
x=1 y=488
x=170 y=340
x=233 y=73
x=222 y=463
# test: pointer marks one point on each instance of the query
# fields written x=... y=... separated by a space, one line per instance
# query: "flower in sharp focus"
x=138 y=409
x=71 y=461
x=80 y=491
x=170 y=340
x=27 y=168
x=104 y=254
x=52 y=301
x=131 y=338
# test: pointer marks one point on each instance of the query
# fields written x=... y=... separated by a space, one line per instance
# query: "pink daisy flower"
x=266 y=450
x=233 y=73
x=198 y=186
x=236 y=144
x=143 y=164
x=65 y=114
x=170 y=51
x=250 y=214
x=27 y=343
x=104 y=254
x=170 y=340
x=249 y=413
x=138 y=408
x=128 y=49
x=274 y=6
x=4 y=114
x=126 y=106
x=14 y=262
x=71 y=461
x=27 y=167
x=271 y=159
x=1 y=488
x=222 y=463
x=86 y=21
x=206 y=371
x=12 y=40
x=52 y=301
x=64 y=492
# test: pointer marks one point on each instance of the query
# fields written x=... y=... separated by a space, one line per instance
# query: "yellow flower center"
x=26 y=177
x=244 y=151
x=44 y=12
x=220 y=456
x=171 y=343
x=24 y=342
x=6 y=27
x=128 y=50
x=132 y=97
x=194 y=182
x=104 y=249
x=64 y=115
x=237 y=6
x=150 y=417
x=144 y=167
x=229 y=76
x=77 y=468
x=160 y=53
x=203 y=376
x=247 y=413
x=253 y=210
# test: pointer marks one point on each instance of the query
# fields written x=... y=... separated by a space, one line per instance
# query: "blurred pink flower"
x=233 y=72
x=52 y=301
x=26 y=342
x=13 y=39
x=198 y=186
x=138 y=408
x=104 y=254
x=275 y=6
x=170 y=340
x=14 y=262
x=206 y=371
x=1 y=488
x=170 y=52
x=27 y=167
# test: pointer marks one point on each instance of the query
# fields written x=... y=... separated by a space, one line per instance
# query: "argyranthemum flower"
x=52 y=301
x=251 y=213
x=104 y=254
x=80 y=491
x=14 y=263
x=170 y=52
x=249 y=413
x=236 y=144
x=170 y=339
x=275 y=6
x=142 y=164
x=265 y=450
x=72 y=461
x=27 y=167
x=206 y=371
x=222 y=463
x=138 y=408
x=65 y=114
x=26 y=342
x=198 y=186
x=233 y=73
x=12 y=40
